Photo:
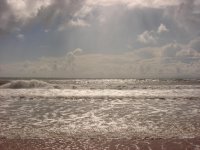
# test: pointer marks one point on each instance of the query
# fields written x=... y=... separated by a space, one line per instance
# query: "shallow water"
x=152 y=109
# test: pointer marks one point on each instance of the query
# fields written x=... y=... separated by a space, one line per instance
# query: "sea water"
x=114 y=108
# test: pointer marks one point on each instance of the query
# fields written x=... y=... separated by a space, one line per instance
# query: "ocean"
x=100 y=114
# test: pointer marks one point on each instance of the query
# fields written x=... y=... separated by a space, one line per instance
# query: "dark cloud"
x=17 y=14
x=188 y=14
x=7 y=18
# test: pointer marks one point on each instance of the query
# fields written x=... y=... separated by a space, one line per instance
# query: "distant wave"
x=115 y=84
x=27 y=84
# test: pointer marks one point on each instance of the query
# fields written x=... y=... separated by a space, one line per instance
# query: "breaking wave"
x=27 y=84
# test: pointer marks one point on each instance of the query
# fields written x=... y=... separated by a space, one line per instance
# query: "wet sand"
x=99 y=143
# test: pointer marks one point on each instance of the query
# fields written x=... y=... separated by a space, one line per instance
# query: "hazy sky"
x=100 y=38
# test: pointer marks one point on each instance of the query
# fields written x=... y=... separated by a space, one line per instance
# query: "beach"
x=100 y=143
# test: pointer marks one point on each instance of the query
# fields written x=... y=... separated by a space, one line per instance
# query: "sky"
x=100 y=38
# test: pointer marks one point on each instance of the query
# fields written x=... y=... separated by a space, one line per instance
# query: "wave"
x=50 y=91
x=115 y=84
x=27 y=84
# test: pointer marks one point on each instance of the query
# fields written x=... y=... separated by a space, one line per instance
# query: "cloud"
x=131 y=3
x=195 y=44
x=188 y=15
x=77 y=51
x=71 y=57
x=46 y=30
x=162 y=28
x=21 y=36
x=147 y=37
x=170 y=50
x=19 y=13
x=141 y=63
x=188 y=52
x=78 y=23
x=152 y=37
x=148 y=53
x=16 y=13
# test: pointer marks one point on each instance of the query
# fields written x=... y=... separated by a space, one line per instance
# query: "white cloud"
x=78 y=23
x=162 y=28
x=21 y=36
x=147 y=37
x=152 y=37
x=134 y=3
x=77 y=51
x=73 y=23
x=84 y=11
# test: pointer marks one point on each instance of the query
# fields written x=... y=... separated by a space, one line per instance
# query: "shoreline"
x=99 y=143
